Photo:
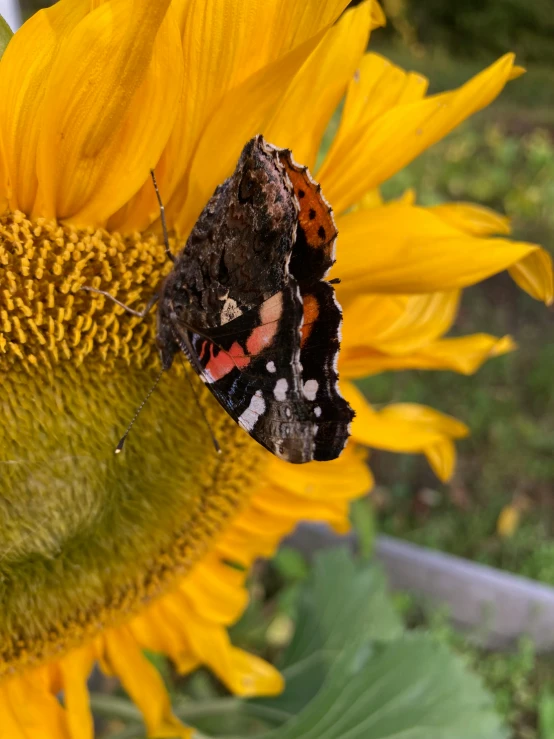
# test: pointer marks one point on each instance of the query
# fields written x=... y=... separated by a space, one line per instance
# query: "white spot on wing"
x=270 y=367
x=229 y=311
x=310 y=389
x=317 y=411
x=248 y=418
x=280 y=389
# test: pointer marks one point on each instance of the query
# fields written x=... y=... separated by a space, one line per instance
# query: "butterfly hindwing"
x=319 y=351
x=259 y=385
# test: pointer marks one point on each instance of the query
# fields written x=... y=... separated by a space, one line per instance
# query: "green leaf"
x=342 y=602
x=5 y=35
x=351 y=673
x=409 y=688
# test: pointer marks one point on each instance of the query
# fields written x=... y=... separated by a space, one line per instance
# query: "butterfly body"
x=247 y=303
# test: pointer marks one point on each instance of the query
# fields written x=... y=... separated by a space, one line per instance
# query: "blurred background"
x=502 y=158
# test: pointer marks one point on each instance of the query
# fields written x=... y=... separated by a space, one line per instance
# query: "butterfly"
x=248 y=304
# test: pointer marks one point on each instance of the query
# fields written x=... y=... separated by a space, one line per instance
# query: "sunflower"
x=103 y=556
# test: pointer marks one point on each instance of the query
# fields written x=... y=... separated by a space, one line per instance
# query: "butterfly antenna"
x=162 y=218
x=197 y=400
x=119 y=447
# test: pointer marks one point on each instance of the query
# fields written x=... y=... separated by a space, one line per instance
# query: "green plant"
x=351 y=669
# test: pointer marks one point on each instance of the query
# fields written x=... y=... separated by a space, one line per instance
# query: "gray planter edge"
x=495 y=606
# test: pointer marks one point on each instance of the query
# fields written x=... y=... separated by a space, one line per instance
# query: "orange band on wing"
x=311 y=312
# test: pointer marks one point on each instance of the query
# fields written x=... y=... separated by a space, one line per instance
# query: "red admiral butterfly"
x=247 y=303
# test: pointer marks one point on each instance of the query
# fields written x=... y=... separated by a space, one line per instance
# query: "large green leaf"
x=409 y=688
x=352 y=674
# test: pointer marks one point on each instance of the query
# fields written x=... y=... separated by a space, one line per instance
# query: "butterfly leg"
x=139 y=313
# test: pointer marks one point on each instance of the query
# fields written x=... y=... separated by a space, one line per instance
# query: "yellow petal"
x=161 y=627
x=11 y=727
x=244 y=674
x=214 y=593
x=405 y=249
x=369 y=154
x=256 y=99
x=425 y=417
x=5 y=180
x=232 y=51
x=40 y=718
x=234 y=48
x=322 y=480
x=378 y=17
x=75 y=668
x=112 y=99
x=534 y=274
x=307 y=106
x=464 y=355
x=143 y=684
x=442 y=458
x=376 y=87
x=406 y=427
x=408 y=197
x=401 y=325
x=475 y=220
x=516 y=72
x=254 y=676
x=23 y=80
x=301 y=508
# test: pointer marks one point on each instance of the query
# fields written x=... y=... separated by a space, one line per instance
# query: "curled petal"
x=442 y=458
x=535 y=275
x=406 y=427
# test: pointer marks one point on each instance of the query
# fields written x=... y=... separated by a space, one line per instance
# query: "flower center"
x=88 y=536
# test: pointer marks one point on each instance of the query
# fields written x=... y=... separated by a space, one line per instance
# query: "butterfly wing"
x=270 y=359
x=251 y=365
